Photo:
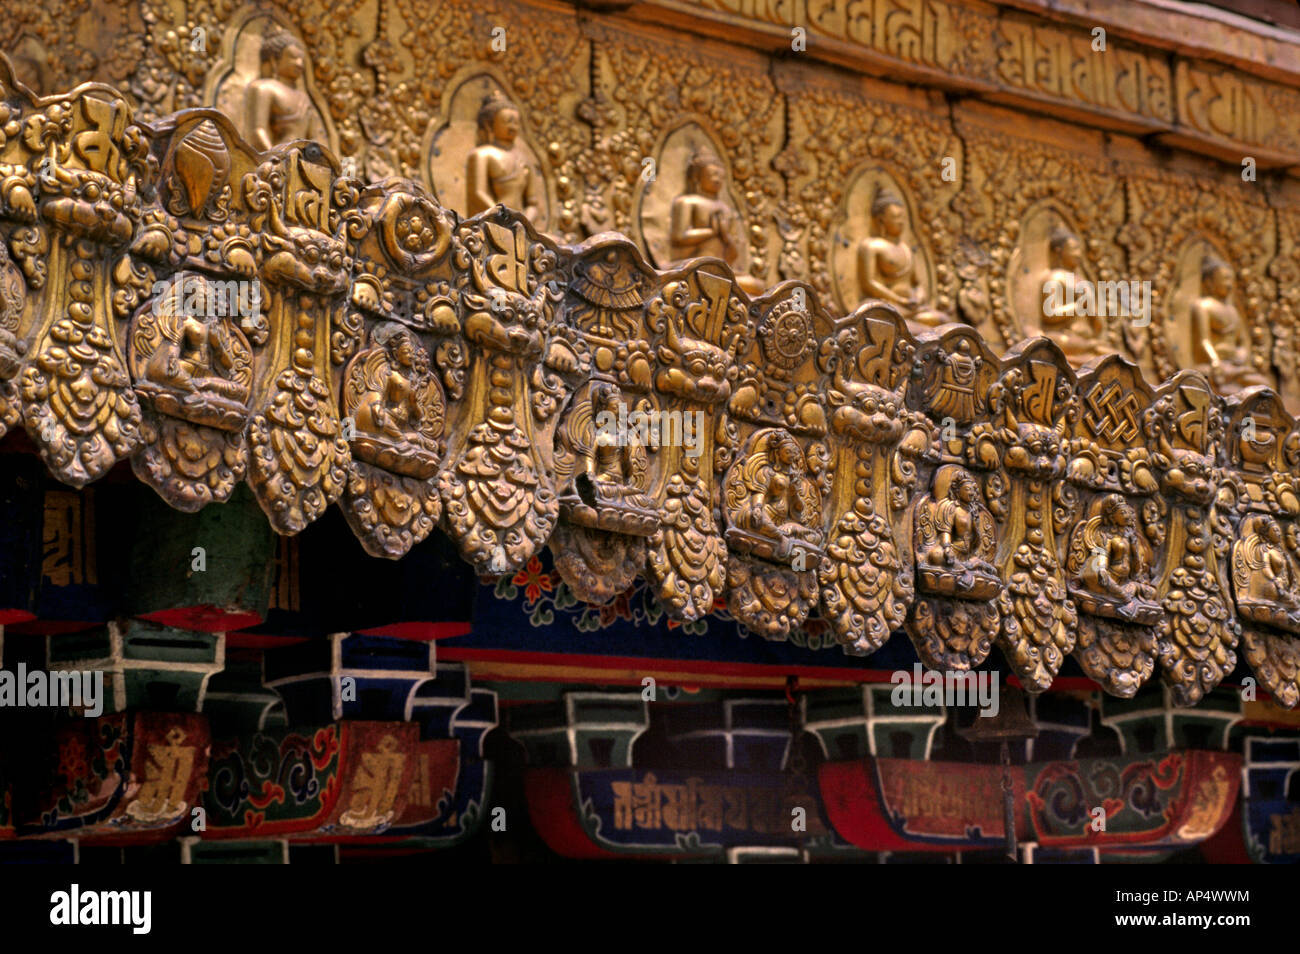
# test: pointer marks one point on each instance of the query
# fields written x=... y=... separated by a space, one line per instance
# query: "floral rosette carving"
x=1033 y=405
x=866 y=585
x=497 y=484
x=1197 y=636
x=1109 y=551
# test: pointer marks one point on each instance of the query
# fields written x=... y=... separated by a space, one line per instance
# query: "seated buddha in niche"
x=1220 y=339
x=1264 y=575
x=609 y=487
x=1109 y=564
x=888 y=268
x=955 y=539
x=771 y=502
x=498 y=170
x=1069 y=312
x=395 y=402
x=277 y=108
x=702 y=221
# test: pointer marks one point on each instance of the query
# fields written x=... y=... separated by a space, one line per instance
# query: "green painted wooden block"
x=856 y=721
x=208 y=571
x=145 y=666
x=584 y=730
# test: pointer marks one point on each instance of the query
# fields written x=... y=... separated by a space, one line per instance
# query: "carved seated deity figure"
x=1109 y=564
x=196 y=365
x=955 y=540
x=772 y=504
x=1220 y=339
x=889 y=269
x=609 y=486
x=497 y=169
x=276 y=107
x=1079 y=334
x=395 y=403
x=1264 y=575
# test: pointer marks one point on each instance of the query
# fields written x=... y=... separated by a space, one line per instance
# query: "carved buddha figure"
x=888 y=268
x=785 y=506
x=395 y=402
x=615 y=465
x=955 y=538
x=277 y=108
x=771 y=497
x=702 y=220
x=955 y=523
x=497 y=170
x=1264 y=576
x=955 y=397
x=192 y=363
x=190 y=350
x=1062 y=318
x=1110 y=561
x=1220 y=341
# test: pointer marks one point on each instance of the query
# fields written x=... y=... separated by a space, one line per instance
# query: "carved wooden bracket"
x=219 y=315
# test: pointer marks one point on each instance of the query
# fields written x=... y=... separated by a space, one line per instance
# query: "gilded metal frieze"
x=222 y=313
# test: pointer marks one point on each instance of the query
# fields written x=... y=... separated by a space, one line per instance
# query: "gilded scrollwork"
x=13 y=298
x=773 y=494
x=1109 y=555
x=951 y=534
x=1033 y=406
x=73 y=181
x=298 y=209
x=497 y=482
x=1259 y=495
x=1196 y=638
x=866 y=580
x=220 y=313
x=700 y=326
